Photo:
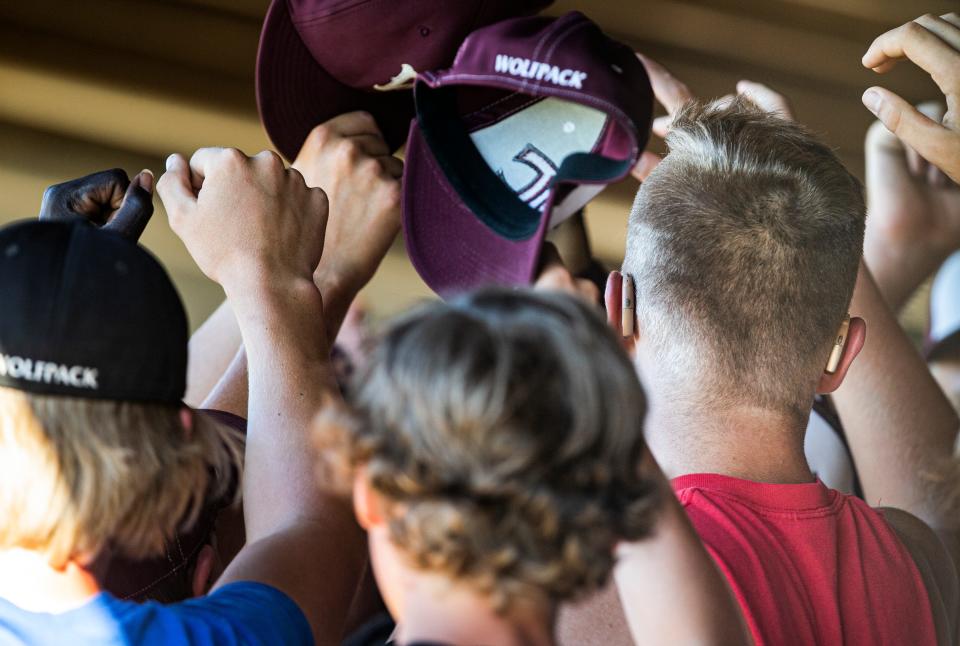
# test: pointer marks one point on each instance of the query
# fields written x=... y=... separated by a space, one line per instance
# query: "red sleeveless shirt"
x=809 y=565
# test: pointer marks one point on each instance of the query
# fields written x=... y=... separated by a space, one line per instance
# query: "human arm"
x=256 y=229
x=932 y=43
x=914 y=214
x=898 y=423
x=213 y=350
x=666 y=590
x=348 y=158
x=670 y=588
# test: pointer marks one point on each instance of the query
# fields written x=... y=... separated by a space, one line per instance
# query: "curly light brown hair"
x=504 y=430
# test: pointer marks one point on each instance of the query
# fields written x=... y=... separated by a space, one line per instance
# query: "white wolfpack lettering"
x=526 y=68
x=89 y=379
x=15 y=367
x=48 y=372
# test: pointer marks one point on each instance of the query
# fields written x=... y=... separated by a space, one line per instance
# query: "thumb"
x=175 y=187
x=136 y=208
x=929 y=138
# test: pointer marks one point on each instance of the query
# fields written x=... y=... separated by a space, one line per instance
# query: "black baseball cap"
x=88 y=314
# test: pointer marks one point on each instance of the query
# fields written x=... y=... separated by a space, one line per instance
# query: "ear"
x=856 y=335
x=366 y=503
x=201 y=574
x=613 y=301
x=186 y=420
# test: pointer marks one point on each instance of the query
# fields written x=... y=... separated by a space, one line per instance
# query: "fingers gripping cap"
x=88 y=314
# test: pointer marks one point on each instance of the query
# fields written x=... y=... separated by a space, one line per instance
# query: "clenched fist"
x=244 y=218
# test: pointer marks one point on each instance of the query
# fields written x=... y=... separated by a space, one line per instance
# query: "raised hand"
x=249 y=218
x=765 y=98
x=108 y=199
x=914 y=213
x=672 y=94
x=933 y=43
x=348 y=158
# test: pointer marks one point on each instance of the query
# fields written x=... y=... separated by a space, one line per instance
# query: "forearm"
x=898 y=423
x=670 y=588
x=289 y=379
x=337 y=297
x=231 y=392
x=898 y=270
x=212 y=348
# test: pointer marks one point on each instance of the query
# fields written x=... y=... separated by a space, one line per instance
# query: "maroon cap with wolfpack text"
x=533 y=119
x=321 y=58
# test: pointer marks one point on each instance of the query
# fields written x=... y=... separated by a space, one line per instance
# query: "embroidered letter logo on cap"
x=48 y=372
x=528 y=69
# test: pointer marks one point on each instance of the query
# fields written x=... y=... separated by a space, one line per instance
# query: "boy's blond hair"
x=79 y=475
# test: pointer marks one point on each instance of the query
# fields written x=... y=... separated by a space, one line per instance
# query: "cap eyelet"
x=11 y=250
x=424 y=31
x=121 y=268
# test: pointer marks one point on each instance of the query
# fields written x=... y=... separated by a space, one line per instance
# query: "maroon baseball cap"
x=534 y=118
x=321 y=58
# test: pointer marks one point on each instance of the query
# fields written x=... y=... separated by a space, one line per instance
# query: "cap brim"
x=295 y=93
x=451 y=249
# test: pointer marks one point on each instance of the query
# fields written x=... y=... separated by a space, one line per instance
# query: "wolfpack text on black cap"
x=86 y=313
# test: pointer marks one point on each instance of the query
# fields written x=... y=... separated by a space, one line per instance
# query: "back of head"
x=744 y=246
x=505 y=432
x=93 y=449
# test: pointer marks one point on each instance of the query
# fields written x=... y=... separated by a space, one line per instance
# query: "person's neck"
x=29 y=582
x=437 y=610
x=744 y=442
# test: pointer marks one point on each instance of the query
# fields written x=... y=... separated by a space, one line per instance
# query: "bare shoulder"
x=598 y=620
x=933 y=553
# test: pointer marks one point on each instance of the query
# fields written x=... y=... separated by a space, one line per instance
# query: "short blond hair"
x=504 y=432
x=77 y=475
x=744 y=246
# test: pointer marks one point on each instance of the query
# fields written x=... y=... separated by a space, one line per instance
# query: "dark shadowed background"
x=91 y=84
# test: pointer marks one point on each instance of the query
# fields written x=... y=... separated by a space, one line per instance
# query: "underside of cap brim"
x=451 y=249
x=295 y=93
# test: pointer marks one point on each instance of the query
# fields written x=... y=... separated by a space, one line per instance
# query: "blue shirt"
x=238 y=613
